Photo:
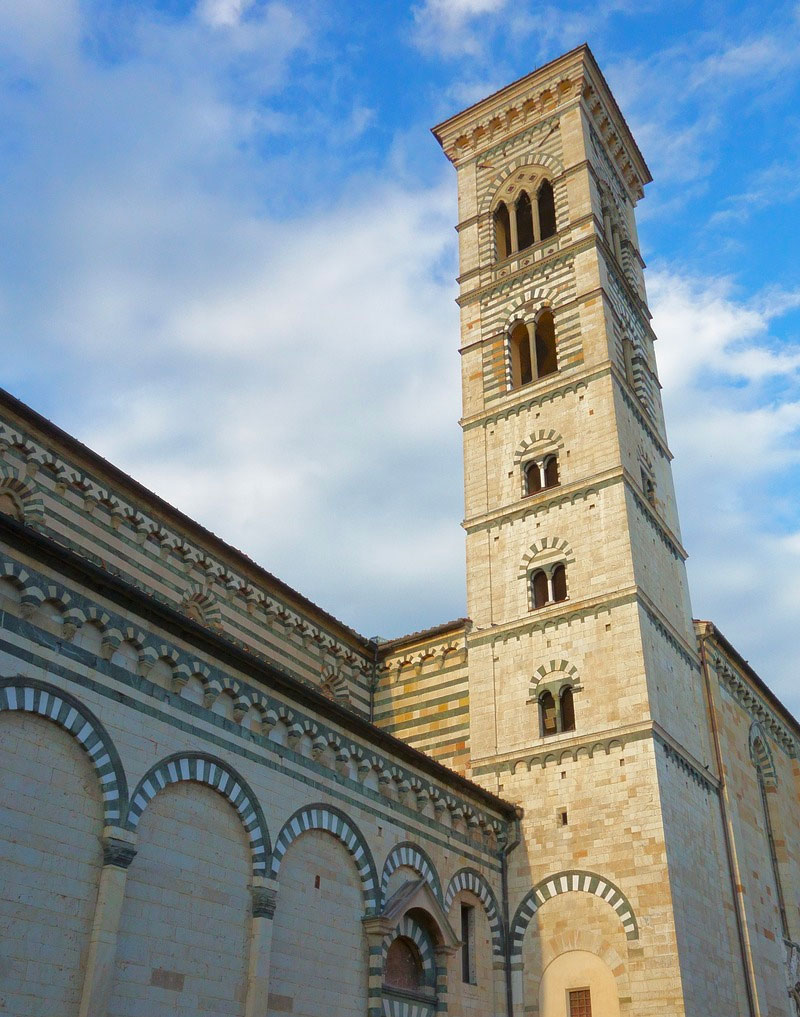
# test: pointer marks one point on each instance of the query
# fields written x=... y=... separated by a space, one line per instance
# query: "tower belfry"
x=584 y=676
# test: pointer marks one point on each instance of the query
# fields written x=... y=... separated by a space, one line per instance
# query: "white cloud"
x=732 y=400
x=453 y=27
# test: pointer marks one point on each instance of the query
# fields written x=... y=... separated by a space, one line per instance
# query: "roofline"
x=753 y=675
x=61 y=558
x=418 y=637
x=583 y=48
x=11 y=402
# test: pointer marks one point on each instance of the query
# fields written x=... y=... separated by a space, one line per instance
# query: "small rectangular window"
x=580 y=1003
x=468 y=944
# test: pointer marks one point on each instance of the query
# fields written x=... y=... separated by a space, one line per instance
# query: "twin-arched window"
x=548 y=586
x=556 y=715
x=526 y=222
x=541 y=474
x=533 y=350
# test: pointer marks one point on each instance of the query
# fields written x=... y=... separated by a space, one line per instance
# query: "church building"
x=578 y=801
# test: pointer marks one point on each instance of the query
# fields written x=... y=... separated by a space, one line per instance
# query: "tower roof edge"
x=476 y=120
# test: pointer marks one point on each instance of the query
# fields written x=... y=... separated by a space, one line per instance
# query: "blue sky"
x=228 y=266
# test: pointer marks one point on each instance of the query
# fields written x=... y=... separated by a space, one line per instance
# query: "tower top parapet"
x=568 y=79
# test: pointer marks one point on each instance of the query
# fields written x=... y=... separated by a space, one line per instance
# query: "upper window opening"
x=521 y=360
x=527 y=222
x=549 y=586
x=567 y=710
x=559 y=583
x=534 y=481
x=556 y=713
x=551 y=477
x=541 y=589
x=546 y=362
x=547 y=210
x=547 y=714
x=502 y=231
x=541 y=474
x=524 y=213
x=403 y=968
x=533 y=350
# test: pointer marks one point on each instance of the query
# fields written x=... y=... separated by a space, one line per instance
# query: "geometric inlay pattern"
x=334 y=822
x=405 y=1008
x=49 y=702
x=569 y=882
x=469 y=879
x=761 y=755
x=205 y=769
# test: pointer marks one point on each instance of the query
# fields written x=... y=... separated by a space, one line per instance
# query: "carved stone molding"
x=117 y=852
x=265 y=899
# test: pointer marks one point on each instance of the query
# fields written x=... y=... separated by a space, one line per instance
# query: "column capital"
x=377 y=925
x=118 y=852
x=265 y=899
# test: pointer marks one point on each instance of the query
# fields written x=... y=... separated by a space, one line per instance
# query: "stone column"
x=265 y=897
x=375 y=927
x=517 y=989
x=513 y=242
x=118 y=853
x=443 y=955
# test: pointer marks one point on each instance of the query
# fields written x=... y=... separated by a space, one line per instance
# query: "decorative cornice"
x=571 y=78
x=359 y=745
x=754 y=705
x=154 y=531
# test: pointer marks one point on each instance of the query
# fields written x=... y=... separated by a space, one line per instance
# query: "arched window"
x=540 y=589
x=524 y=213
x=526 y=222
x=502 y=231
x=559 y=580
x=567 y=705
x=648 y=486
x=521 y=363
x=541 y=474
x=535 y=359
x=533 y=478
x=403 y=968
x=547 y=210
x=546 y=362
x=547 y=714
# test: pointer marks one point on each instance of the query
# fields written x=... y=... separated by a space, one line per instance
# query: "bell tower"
x=586 y=700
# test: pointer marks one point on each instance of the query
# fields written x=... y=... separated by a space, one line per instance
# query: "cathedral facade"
x=218 y=799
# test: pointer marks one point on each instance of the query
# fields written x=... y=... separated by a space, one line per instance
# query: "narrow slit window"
x=524 y=213
x=559 y=580
x=539 y=588
x=547 y=714
x=502 y=231
x=547 y=210
x=468 y=944
x=521 y=363
x=551 y=478
x=533 y=478
x=567 y=710
x=546 y=361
